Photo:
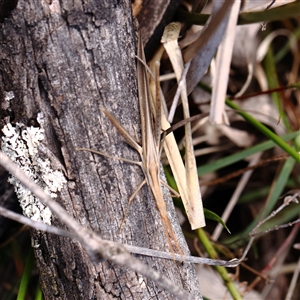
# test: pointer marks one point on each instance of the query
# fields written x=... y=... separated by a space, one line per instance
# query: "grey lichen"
x=20 y=144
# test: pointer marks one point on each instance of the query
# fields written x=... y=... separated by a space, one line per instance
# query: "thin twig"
x=133 y=249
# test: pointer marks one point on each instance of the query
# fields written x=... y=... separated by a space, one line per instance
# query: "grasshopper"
x=149 y=150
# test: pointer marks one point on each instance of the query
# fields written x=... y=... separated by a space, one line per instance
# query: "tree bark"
x=66 y=59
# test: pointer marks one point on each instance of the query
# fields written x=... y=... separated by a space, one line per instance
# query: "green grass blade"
x=276 y=191
x=226 y=161
x=26 y=276
x=266 y=131
x=39 y=293
x=227 y=279
x=289 y=213
x=282 y=12
x=262 y=128
x=213 y=216
x=278 y=185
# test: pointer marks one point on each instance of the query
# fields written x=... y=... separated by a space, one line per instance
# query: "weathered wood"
x=67 y=61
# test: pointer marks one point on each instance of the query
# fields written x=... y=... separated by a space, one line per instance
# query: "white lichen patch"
x=20 y=144
x=9 y=95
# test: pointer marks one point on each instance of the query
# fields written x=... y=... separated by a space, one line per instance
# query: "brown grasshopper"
x=150 y=148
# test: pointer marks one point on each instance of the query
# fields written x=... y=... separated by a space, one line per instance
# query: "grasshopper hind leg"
x=168 y=229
